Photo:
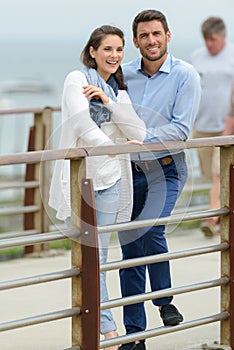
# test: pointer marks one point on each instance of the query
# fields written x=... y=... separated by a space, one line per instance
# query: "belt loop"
x=146 y=166
x=138 y=169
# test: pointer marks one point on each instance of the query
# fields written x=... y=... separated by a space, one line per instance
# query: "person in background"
x=214 y=62
x=96 y=110
x=165 y=92
x=229 y=121
x=228 y=130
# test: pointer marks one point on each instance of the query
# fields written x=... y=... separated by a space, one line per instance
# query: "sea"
x=32 y=75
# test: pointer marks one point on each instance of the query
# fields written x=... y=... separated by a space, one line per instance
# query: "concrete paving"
x=43 y=298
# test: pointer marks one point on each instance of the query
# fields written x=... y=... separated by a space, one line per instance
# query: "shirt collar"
x=165 y=68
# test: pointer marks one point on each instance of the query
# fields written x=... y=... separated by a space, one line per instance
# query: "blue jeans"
x=107 y=202
x=156 y=189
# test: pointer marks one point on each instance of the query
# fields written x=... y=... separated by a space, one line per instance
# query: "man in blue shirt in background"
x=165 y=92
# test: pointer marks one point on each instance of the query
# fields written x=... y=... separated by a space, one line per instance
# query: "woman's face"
x=108 y=56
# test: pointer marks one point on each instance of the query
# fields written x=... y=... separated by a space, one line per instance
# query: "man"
x=214 y=62
x=229 y=121
x=165 y=92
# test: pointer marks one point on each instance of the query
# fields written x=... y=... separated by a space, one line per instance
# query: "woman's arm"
x=125 y=117
x=78 y=110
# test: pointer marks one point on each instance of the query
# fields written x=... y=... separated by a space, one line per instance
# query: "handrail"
x=163 y=330
x=83 y=301
x=174 y=218
x=48 y=277
x=14 y=234
x=29 y=321
x=75 y=153
x=19 y=210
x=34 y=110
x=138 y=298
x=40 y=238
x=163 y=257
x=5 y=185
x=74 y=234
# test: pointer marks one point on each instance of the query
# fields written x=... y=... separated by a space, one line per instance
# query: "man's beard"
x=156 y=58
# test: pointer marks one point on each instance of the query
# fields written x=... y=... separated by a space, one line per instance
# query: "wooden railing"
x=34 y=207
x=83 y=235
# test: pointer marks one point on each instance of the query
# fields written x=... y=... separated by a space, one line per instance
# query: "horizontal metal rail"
x=163 y=330
x=14 y=234
x=192 y=208
x=40 y=238
x=175 y=218
x=19 y=210
x=49 y=277
x=18 y=184
x=73 y=233
x=30 y=321
x=120 y=264
x=163 y=221
x=28 y=110
x=163 y=293
x=197 y=187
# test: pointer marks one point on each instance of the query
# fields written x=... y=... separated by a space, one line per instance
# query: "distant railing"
x=84 y=247
x=34 y=208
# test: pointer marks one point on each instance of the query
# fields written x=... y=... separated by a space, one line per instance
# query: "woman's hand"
x=91 y=91
x=135 y=142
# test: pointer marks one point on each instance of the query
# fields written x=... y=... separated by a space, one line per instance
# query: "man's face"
x=151 y=40
x=215 y=43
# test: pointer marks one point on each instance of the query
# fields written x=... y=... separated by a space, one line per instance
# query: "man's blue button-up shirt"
x=168 y=101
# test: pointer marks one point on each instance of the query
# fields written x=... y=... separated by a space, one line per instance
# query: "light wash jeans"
x=107 y=202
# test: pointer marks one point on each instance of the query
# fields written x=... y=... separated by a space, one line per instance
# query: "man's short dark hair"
x=147 y=16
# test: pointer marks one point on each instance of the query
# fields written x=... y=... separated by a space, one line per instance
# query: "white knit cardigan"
x=79 y=130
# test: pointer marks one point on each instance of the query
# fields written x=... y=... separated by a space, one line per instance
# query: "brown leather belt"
x=140 y=166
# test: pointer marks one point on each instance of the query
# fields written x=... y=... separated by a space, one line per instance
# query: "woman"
x=96 y=110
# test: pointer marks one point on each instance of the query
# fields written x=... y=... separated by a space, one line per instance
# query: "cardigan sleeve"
x=78 y=112
x=125 y=117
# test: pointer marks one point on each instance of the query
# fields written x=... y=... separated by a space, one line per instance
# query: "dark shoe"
x=132 y=346
x=170 y=315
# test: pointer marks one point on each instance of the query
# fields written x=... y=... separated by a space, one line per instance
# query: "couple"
x=97 y=109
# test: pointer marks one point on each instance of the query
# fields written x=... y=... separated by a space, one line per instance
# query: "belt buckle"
x=166 y=160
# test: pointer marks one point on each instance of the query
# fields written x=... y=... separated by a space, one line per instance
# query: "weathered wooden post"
x=85 y=257
x=45 y=172
x=227 y=235
x=39 y=138
x=29 y=192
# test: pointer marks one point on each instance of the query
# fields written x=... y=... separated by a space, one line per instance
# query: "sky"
x=73 y=19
